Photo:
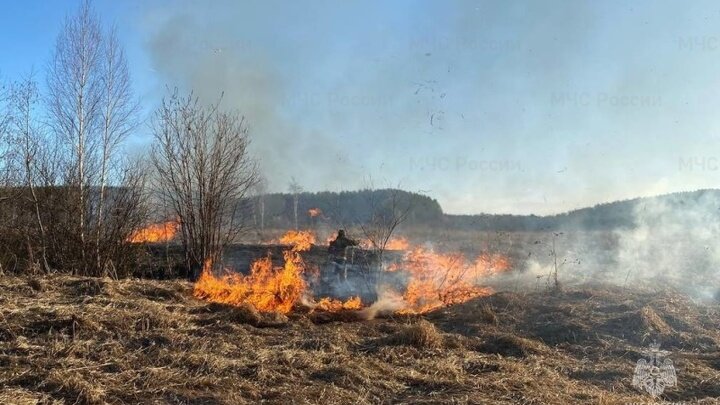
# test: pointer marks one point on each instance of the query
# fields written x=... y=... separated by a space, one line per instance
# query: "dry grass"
x=421 y=334
x=88 y=341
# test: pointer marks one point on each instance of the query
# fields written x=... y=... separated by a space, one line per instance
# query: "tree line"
x=616 y=215
x=341 y=209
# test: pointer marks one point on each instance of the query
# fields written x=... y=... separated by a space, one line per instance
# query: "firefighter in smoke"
x=338 y=253
x=337 y=247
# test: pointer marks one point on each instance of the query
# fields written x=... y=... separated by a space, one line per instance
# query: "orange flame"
x=300 y=240
x=314 y=212
x=333 y=305
x=434 y=280
x=440 y=279
x=398 y=244
x=161 y=232
x=267 y=288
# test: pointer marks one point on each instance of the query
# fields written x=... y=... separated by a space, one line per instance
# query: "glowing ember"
x=161 y=232
x=314 y=212
x=333 y=305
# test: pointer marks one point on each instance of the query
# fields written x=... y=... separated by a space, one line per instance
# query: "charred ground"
x=86 y=340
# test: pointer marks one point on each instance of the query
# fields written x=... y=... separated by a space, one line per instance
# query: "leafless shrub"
x=204 y=172
x=388 y=210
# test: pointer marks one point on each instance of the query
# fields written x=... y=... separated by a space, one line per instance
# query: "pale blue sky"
x=492 y=106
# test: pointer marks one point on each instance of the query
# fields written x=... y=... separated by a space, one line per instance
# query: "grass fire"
x=432 y=280
x=153 y=233
x=359 y=202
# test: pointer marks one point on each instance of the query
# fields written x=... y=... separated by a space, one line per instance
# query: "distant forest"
x=353 y=207
x=343 y=208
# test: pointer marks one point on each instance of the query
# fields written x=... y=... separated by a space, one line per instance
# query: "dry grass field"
x=72 y=340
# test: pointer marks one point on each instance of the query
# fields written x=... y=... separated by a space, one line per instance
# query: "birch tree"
x=295 y=189
x=260 y=190
x=74 y=84
x=118 y=117
x=92 y=110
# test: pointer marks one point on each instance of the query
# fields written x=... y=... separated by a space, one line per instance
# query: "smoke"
x=335 y=92
x=204 y=55
x=672 y=243
x=227 y=48
x=388 y=302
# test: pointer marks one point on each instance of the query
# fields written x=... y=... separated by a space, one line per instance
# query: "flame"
x=437 y=280
x=434 y=280
x=267 y=288
x=300 y=240
x=333 y=305
x=314 y=212
x=161 y=232
x=397 y=244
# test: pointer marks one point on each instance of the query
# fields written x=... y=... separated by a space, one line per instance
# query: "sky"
x=488 y=106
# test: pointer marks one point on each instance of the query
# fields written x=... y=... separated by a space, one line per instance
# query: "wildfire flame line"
x=434 y=279
x=267 y=288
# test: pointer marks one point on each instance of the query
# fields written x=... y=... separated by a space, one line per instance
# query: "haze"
x=500 y=107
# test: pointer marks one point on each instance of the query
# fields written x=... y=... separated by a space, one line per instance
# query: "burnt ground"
x=78 y=340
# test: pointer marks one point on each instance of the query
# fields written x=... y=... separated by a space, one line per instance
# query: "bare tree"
x=91 y=112
x=5 y=110
x=260 y=190
x=204 y=172
x=6 y=117
x=74 y=83
x=295 y=190
x=118 y=116
x=29 y=149
x=389 y=209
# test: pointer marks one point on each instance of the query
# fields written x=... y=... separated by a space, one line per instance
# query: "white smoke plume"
x=673 y=242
